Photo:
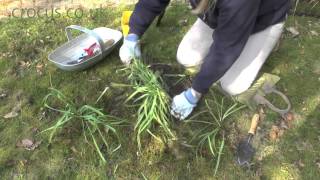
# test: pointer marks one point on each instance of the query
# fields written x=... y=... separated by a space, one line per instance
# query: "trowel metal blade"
x=245 y=152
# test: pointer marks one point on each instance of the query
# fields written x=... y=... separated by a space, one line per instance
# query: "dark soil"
x=173 y=85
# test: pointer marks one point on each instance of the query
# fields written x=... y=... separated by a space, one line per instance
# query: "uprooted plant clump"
x=96 y=125
x=150 y=96
x=152 y=100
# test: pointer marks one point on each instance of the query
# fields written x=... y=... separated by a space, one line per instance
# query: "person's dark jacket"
x=233 y=20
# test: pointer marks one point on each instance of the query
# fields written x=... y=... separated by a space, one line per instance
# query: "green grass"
x=69 y=157
x=211 y=137
x=310 y=7
x=95 y=124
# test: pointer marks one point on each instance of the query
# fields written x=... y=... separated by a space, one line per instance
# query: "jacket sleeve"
x=236 y=21
x=144 y=13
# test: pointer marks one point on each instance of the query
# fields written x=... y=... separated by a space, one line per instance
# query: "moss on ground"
x=294 y=156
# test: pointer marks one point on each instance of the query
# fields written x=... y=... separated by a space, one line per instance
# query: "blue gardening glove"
x=130 y=49
x=184 y=103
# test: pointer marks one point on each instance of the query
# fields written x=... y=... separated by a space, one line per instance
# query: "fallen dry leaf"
x=314 y=33
x=35 y=145
x=74 y=150
x=11 y=115
x=293 y=31
x=300 y=164
x=274 y=133
x=183 y=22
x=3 y=95
x=23 y=162
x=288 y=119
x=39 y=68
x=24 y=64
x=14 y=113
x=28 y=144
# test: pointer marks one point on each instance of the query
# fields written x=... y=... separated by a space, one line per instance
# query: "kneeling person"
x=229 y=43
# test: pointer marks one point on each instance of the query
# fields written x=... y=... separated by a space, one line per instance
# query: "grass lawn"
x=26 y=75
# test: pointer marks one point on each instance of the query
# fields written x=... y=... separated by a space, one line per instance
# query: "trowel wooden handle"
x=254 y=124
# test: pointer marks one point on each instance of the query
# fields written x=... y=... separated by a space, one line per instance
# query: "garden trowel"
x=245 y=151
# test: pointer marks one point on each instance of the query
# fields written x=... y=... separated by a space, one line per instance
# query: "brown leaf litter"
x=19 y=100
x=286 y=123
x=28 y=144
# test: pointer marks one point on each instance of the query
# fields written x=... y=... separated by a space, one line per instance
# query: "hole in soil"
x=173 y=77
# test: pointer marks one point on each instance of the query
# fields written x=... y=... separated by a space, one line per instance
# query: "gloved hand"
x=184 y=103
x=130 y=49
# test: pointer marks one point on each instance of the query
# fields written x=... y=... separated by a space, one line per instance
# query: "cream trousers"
x=196 y=45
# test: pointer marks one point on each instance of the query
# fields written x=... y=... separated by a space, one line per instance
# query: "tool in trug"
x=90 y=52
x=245 y=151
